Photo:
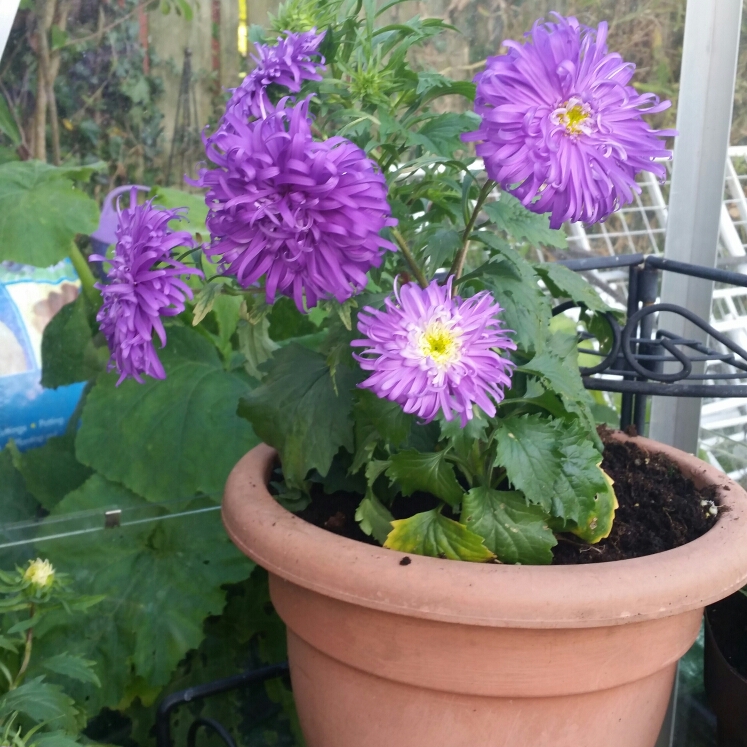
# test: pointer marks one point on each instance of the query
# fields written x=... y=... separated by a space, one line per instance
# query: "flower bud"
x=40 y=573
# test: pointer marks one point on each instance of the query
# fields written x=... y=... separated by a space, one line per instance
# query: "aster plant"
x=384 y=287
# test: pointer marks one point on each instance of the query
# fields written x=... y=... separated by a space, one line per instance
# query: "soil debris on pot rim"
x=660 y=508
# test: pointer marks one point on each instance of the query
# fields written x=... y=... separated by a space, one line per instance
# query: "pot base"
x=366 y=678
x=333 y=713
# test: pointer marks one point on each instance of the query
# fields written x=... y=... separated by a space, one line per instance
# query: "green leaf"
x=8 y=125
x=526 y=450
x=161 y=578
x=514 y=531
x=511 y=216
x=440 y=245
x=42 y=702
x=51 y=471
x=463 y=439
x=430 y=473
x=430 y=533
x=388 y=418
x=7 y=644
x=554 y=463
x=441 y=134
x=227 y=314
x=16 y=502
x=69 y=354
x=16 y=505
x=374 y=518
x=560 y=375
x=40 y=213
x=513 y=282
x=181 y=436
x=564 y=283
x=580 y=478
x=287 y=322
x=256 y=345
x=299 y=411
x=75 y=667
x=557 y=369
x=432 y=85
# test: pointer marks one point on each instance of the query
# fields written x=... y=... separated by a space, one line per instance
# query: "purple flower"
x=287 y=64
x=561 y=128
x=304 y=214
x=431 y=351
x=144 y=285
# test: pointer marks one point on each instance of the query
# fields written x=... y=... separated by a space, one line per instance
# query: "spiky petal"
x=561 y=126
x=303 y=215
x=429 y=350
x=292 y=60
x=144 y=284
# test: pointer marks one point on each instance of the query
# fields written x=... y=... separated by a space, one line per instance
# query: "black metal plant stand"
x=209 y=689
x=639 y=351
x=636 y=359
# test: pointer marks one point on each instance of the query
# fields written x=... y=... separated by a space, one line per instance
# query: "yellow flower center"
x=40 y=573
x=575 y=116
x=439 y=343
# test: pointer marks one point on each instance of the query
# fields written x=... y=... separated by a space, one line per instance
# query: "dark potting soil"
x=728 y=621
x=659 y=509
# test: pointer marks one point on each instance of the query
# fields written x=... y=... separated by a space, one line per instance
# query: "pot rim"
x=592 y=595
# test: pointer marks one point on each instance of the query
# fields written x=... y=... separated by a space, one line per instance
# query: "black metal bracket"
x=634 y=364
x=199 y=692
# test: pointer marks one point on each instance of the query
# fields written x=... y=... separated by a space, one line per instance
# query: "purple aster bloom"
x=430 y=351
x=304 y=214
x=561 y=128
x=144 y=285
x=288 y=63
x=106 y=233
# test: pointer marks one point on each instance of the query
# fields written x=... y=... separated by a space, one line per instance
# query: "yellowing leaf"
x=598 y=524
x=430 y=533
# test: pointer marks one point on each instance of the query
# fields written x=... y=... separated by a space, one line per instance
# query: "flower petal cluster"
x=304 y=214
x=429 y=350
x=40 y=573
x=562 y=128
x=288 y=63
x=144 y=284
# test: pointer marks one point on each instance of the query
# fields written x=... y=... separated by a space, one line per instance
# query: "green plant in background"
x=164 y=582
x=35 y=709
x=74 y=85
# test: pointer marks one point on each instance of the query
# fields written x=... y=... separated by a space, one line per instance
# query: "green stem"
x=85 y=274
x=409 y=258
x=465 y=469
x=457 y=268
x=26 y=654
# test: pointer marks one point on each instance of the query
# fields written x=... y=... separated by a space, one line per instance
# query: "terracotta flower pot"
x=439 y=653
